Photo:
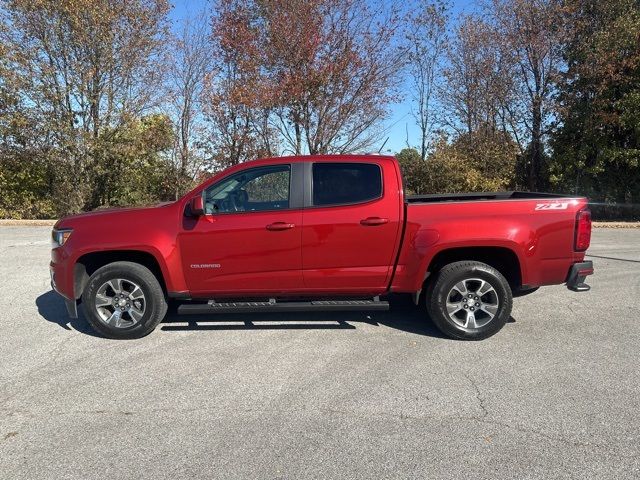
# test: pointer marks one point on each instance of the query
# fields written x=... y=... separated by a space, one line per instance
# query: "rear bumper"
x=577 y=275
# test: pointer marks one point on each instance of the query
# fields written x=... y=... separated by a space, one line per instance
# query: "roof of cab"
x=364 y=157
x=353 y=157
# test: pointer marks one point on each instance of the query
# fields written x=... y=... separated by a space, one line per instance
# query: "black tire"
x=155 y=303
x=466 y=271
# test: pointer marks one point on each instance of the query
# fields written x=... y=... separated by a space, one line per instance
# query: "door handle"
x=373 y=221
x=276 y=226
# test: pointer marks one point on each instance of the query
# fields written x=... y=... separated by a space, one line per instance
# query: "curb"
x=7 y=222
x=616 y=224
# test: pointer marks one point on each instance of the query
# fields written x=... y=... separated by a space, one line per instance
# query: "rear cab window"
x=346 y=183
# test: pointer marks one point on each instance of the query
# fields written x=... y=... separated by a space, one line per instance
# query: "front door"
x=249 y=240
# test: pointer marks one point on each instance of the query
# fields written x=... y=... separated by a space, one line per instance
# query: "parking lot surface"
x=555 y=394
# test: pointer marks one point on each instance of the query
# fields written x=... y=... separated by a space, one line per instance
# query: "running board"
x=254 y=307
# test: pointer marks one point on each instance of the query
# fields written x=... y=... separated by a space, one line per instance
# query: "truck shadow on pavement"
x=51 y=308
x=403 y=316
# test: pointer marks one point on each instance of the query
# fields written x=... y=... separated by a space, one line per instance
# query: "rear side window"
x=346 y=183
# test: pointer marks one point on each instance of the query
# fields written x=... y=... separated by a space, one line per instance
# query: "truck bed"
x=479 y=196
x=534 y=230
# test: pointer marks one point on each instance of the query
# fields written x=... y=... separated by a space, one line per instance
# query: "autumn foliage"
x=302 y=77
x=116 y=102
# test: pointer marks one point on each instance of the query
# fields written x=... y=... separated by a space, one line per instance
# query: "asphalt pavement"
x=555 y=394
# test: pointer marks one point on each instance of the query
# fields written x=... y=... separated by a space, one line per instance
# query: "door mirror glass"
x=196 y=206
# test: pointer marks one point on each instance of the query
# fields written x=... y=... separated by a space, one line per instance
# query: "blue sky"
x=399 y=122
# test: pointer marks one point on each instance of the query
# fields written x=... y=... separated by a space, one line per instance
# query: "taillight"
x=583 y=230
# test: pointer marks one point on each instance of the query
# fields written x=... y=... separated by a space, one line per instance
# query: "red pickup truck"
x=319 y=233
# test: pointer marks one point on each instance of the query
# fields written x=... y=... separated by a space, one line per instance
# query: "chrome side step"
x=273 y=306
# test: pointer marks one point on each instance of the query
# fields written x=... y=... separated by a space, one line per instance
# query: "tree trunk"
x=536 y=145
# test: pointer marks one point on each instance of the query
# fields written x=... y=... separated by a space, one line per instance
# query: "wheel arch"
x=503 y=259
x=88 y=263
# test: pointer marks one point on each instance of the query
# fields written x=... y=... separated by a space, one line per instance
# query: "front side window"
x=253 y=190
x=346 y=183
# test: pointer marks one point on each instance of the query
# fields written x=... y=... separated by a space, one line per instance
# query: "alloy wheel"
x=472 y=303
x=120 y=303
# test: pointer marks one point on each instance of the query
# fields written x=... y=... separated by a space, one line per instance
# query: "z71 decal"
x=552 y=206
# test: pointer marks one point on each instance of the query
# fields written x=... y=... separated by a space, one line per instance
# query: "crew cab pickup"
x=319 y=233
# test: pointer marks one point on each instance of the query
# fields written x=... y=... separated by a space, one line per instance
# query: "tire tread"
x=158 y=300
x=444 y=277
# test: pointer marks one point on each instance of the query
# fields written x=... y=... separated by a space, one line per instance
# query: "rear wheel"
x=469 y=300
x=124 y=300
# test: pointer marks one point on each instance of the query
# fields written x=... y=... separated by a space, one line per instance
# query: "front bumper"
x=577 y=275
x=71 y=304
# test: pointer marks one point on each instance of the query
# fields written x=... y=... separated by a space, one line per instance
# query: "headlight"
x=59 y=237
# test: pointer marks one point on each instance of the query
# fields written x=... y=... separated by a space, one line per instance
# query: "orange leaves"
x=321 y=69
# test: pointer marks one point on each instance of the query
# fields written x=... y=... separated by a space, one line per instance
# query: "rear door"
x=351 y=225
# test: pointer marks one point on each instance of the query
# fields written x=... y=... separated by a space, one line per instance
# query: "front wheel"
x=124 y=300
x=469 y=300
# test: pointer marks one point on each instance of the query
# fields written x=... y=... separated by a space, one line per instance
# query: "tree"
x=321 y=72
x=189 y=66
x=597 y=142
x=335 y=77
x=131 y=162
x=237 y=100
x=427 y=38
x=91 y=66
x=484 y=160
x=492 y=154
x=414 y=171
x=532 y=33
x=477 y=78
x=24 y=166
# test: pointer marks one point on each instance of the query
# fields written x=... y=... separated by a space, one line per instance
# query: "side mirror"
x=196 y=206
